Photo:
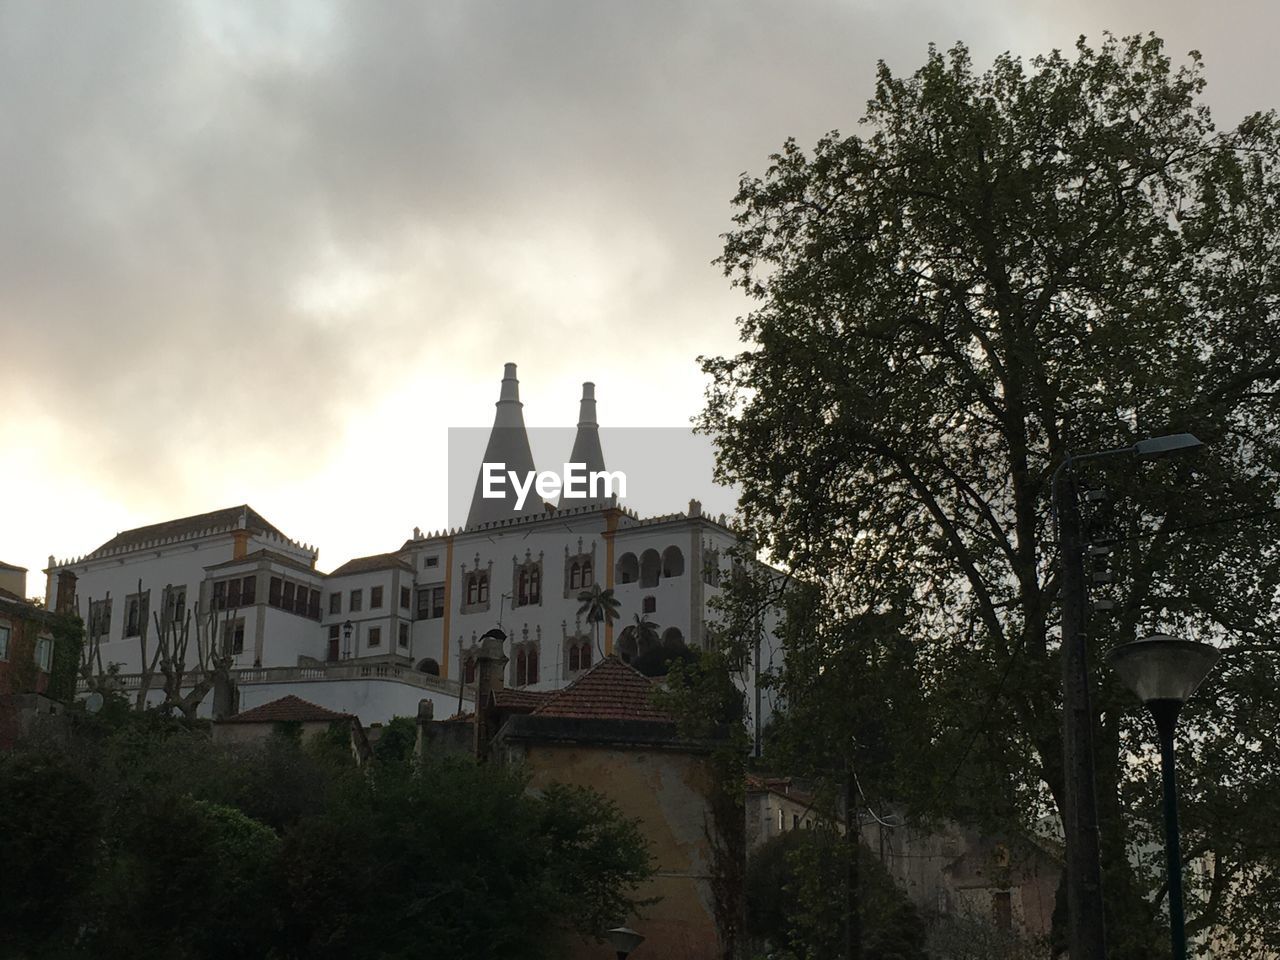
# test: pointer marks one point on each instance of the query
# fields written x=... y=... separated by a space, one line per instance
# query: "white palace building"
x=379 y=634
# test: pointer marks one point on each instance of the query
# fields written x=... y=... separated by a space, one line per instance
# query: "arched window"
x=628 y=570
x=586 y=574
x=482 y=588
x=522 y=587
x=650 y=568
x=526 y=665
x=672 y=562
x=535 y=584
x=429 y=666
x=575 y=663
x=469 y=670
x=575 y=576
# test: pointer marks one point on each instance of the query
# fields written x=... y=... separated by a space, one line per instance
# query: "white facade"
x=417 y=613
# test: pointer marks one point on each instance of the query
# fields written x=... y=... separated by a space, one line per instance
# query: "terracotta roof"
x=288 y=709
x=611 y=690
x=526 y=700
x=381 y=561
x=228 y=517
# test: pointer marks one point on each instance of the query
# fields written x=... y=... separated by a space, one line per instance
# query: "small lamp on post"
x=1164 y=671
x=346 y=640
x=624 y=940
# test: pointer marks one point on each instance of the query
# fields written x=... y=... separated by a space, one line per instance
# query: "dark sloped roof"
x=271 y=555
x=526 y=700
x=186 y=526
x=611 y=690
x=380 y=561
x=10 y=566
x=288 y=709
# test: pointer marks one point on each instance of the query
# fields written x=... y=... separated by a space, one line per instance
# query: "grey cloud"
x=173 y=172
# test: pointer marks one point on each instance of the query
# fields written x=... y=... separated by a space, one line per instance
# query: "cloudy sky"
x=270 y=252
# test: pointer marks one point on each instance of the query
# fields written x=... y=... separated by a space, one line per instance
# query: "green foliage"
x=1052 y=256
x=796 y=886
x=398 y=739
x=68 y=642
x=48 y=825
x=172 y=847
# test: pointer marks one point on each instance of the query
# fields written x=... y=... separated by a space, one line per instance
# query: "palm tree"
x=644 y=633
x=600 y=606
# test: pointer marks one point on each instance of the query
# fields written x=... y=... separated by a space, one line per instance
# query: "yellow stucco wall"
x=666 y=791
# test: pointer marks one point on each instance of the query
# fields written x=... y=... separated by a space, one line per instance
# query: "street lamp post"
x=624 y=940
x=346 y=640
x=1080 y=799
x=1163 y=672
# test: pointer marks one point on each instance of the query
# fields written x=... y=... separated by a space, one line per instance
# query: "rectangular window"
x=136 y=611
x=405 y=595
x=649 y=604
x=100 y=618
x=431 y=602
x=289 y=589
x=313 y=605
x=335 y=603
x=273 y=591
x=249 y=591
x=233 y=593
x=375 y=636
x=404 y=635
x=44 y=653
x=356 y=603
x=175 y=605
x=5 y=634
x=375 y=598
x=220 y=595
x=1002 y=910
x=233 y=636
x=332 y=653
x=429 y=562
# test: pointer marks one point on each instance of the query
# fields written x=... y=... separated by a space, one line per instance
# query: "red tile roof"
x=611 y=690
x=527 y=700
x=288 y=709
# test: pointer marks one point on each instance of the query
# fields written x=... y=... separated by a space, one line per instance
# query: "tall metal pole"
x=1165 y=713
x=853 y=837
x=1080 y=803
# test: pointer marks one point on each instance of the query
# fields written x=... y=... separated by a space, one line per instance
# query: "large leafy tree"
x=1046 y=257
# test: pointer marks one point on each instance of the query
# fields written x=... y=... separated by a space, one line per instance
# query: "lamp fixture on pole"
x=1086 y=932
x=346 y=640
x=1163 y=672
x=624 y=940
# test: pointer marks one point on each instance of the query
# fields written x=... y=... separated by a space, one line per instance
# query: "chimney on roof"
x=695 y=508
x=65 y=597
x=491 y=665
x=426 y=714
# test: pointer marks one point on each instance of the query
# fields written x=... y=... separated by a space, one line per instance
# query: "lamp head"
x=346 y=630
x=624 y=940
x=1161 y=667
x=1166 y=446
